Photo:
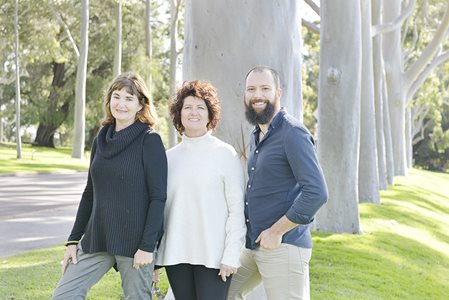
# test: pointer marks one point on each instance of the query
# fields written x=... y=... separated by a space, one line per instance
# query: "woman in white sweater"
x=204 y=214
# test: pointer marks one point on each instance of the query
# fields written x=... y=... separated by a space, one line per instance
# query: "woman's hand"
x=69 y=257
x=226 y=271
x=142 y=259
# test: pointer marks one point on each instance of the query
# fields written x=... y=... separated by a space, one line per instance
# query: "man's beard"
x=262 y=117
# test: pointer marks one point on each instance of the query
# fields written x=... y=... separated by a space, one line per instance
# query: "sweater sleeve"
x=235 y=224
x=155 y=166
x=300 y=150
x=85 y=206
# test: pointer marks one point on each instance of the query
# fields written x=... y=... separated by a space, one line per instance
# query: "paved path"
x=37 y=210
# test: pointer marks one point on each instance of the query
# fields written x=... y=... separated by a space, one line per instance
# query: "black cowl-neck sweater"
x=122 y=207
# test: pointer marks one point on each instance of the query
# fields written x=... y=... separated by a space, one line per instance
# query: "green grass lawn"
x=39 y=159
x=403 y=253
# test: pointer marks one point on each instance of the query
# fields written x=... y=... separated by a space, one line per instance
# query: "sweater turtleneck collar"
x=111 y=143
x=195 y=140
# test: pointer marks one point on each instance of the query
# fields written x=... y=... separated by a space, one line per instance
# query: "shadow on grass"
x=377 y=266
x=417 y=195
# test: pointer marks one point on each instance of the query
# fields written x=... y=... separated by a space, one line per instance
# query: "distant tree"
x=16 y=31
x=80 y=92
x=175 y=7
x=118 y=41
x=368 y=174
x=404 y=77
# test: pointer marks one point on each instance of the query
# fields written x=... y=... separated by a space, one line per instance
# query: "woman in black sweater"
x=120 y=216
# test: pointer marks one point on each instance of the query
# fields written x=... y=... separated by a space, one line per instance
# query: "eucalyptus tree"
x=80 y=91
x=224 y=39
x=118 y=41
x=368 y=173
x=339 y=113
x=384 y=153
x=403 y=80
x=175 y=9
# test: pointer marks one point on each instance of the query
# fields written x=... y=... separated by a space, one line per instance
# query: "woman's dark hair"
x=199 y=89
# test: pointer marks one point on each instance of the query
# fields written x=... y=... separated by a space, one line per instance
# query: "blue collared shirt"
x=284 y=178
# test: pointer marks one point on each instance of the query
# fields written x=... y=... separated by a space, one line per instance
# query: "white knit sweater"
x=204 y=214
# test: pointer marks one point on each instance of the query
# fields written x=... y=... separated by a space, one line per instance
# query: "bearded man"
x=285 y=189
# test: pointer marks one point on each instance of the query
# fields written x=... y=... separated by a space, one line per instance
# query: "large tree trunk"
x=118 y=41
x=339 y=113
x=395 y=83
x=55 y=114
x=378 y=85
x=16 y=33
x=368 y=169
x=225 y=39
x=45 y=135
x=80 y=92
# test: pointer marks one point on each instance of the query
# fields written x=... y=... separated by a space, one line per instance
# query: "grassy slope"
x=39 y=159
x=403 y=253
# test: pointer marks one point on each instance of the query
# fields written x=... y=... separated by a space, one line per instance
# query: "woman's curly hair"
x=199 y=89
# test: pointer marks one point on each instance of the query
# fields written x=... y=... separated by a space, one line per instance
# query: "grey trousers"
x=284 y=272
x=78 y=279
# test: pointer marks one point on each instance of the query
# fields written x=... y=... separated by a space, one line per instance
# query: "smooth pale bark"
x=395 y=86
x=378 y=78
x=16 y=33
x=148 y=42
x=80 y=92
x=339 y=113
x=174 y=14
x=389 y=157
x=148 y=32
x=368 y=169
x=225 y=39
x=118 y=41
x=423 y=65
x=402 y=85
x=64 y=25
x=408 y=137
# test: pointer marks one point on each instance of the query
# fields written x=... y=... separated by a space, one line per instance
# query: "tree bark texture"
x=379 y=77
x=225 y=39
x=57 y=110
x=368 y=169
x=339 y=113
x=389 y=157
x=395 y=82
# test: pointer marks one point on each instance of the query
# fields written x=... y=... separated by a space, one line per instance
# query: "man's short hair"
x=262 y=68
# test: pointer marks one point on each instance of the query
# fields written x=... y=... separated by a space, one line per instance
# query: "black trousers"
x=196 y=282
